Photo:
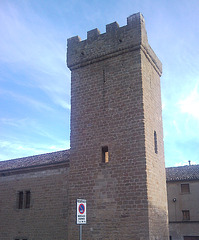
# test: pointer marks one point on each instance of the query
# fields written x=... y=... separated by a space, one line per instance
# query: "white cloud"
x=15 y=149
x=32 y=45
x=184 y=163
x=190 y=104
x=30 y=125
x=26 y=100
x=25 y=145
x=176 y=125
x=59 y=93
x=13 y=122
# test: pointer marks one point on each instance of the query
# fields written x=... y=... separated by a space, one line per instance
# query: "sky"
x=35 y=81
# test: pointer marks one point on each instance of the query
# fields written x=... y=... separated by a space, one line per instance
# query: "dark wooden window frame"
x=185 y=188
x=185 y=215
x=23 y=199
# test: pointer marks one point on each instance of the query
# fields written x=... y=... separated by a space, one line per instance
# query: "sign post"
x=81 y=215
x=80 y=232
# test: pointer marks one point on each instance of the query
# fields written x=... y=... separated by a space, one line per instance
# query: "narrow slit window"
x=105 y=156
x=20 y=200
x=155 y=142
x=27 y=203
x=104 y=76
x=185 y=215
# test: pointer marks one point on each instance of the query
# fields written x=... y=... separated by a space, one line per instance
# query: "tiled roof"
x=190 y=172
x=36 y=160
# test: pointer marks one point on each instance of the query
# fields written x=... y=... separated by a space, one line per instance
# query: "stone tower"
x=117 y=152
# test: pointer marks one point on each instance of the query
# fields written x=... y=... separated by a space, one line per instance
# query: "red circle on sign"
x=81 y=208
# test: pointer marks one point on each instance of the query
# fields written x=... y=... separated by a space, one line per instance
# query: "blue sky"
x=35 y=82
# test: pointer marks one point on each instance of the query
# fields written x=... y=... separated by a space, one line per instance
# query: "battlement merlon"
x=115 y=41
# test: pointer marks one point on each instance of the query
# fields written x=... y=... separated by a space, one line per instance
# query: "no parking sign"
x=81 y=211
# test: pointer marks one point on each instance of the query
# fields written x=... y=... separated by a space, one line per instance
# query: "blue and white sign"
x=81 y=211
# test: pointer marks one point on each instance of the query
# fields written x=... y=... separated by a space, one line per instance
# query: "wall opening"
x=104 y=76
x=105 y=155
x=21 y=239
x=27 y=203
x=23 y=200
x=185 y=215
x=185 y=188
x=20 y=200
x=155 y=143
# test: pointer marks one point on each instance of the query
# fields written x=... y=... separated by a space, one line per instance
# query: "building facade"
x=183 y=202
x=33 y=197
x=116 y=157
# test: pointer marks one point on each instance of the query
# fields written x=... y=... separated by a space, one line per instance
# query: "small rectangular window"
x=155 y=142
x=185 y=215
x=185 y=188
x=21 y=239
x=20 y=200
x=23 y=200
x=105 y=157
x=104 y=76
x=27 y=203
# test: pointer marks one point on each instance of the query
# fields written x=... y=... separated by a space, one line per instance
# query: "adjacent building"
x=183 y=202
x=34 y=197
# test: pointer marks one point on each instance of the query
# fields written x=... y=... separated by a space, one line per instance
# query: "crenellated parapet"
x=117 y=40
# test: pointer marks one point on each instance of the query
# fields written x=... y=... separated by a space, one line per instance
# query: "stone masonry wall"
x=107 y=110
x=47 y=216
x=156 y=177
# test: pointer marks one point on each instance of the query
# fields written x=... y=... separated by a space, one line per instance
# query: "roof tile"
x=36 y=160
x=190 y=172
